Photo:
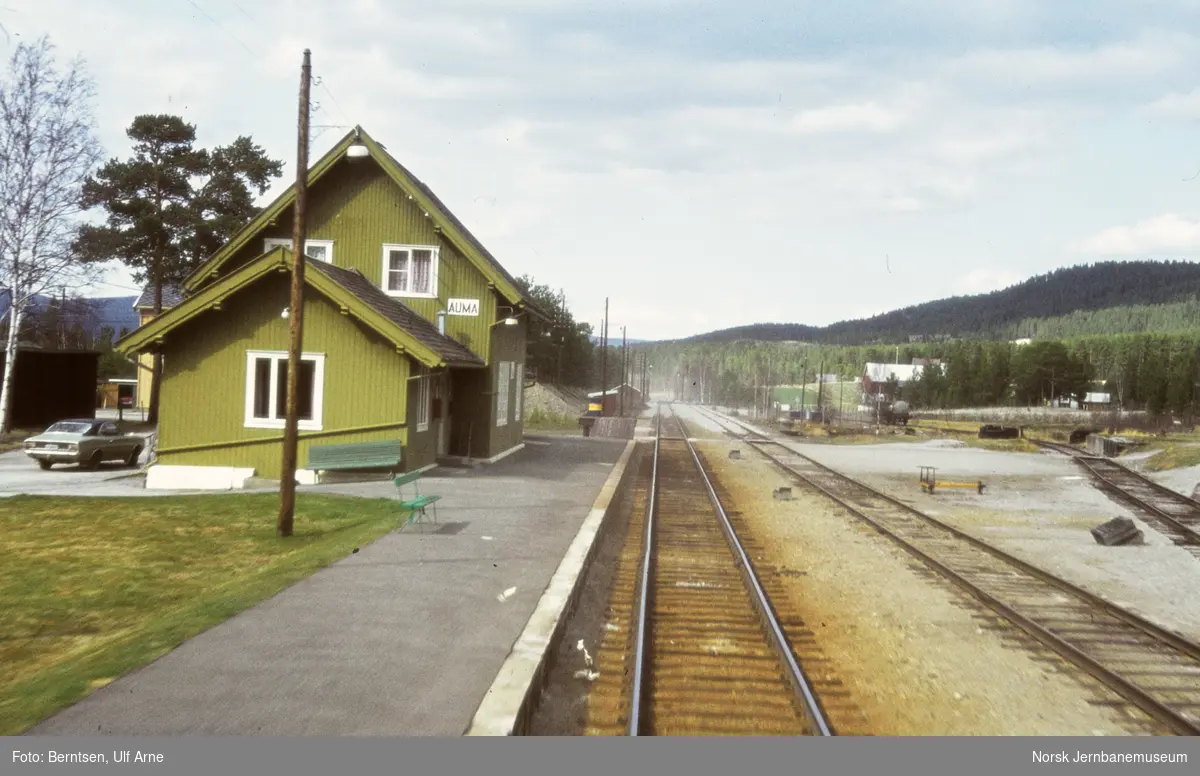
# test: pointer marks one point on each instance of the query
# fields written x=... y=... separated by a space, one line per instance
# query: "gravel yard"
x=699 y=426
x=1041 y=507
x=916 y=655
x=1183 y=480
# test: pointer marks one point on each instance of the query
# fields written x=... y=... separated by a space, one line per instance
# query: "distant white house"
x=876 y=376
x=1091 y=401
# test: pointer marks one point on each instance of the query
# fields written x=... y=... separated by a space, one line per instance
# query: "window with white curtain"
x=410 y=270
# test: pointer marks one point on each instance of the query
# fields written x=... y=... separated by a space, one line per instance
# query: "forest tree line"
x=1159 y=373
x=1101 y=298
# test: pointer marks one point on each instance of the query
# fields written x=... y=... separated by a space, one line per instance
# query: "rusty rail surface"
x=710 y=656
x=1153 y=669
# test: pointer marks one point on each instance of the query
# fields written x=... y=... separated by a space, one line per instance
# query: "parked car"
x=86 y=442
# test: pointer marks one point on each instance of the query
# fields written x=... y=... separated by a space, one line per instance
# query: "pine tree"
x=170 y=205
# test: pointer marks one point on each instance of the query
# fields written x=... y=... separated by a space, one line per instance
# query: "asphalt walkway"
x=402 y=638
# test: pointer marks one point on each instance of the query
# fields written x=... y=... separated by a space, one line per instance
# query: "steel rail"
x=1188 y=532
x=1177 y=641
x=1119 y=684
x=639 y=652
x=812 y=706
x=813 y=712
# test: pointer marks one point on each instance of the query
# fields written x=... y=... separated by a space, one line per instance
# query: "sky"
x=706 y=164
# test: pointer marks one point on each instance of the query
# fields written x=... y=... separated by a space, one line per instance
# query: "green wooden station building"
x=413 y=333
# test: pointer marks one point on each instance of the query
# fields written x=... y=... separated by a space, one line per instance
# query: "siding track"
x=1151 y=668
x=1174 y=514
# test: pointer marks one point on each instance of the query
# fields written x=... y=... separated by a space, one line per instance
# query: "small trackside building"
x=622 y=398
x=412 y=332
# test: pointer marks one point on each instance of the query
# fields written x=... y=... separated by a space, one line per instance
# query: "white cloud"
x=568 y=139
x=852 y=117
x=1178 y=105
x=903 y=204
x=1166 y=233
x=1145 y=56
x=983 y=280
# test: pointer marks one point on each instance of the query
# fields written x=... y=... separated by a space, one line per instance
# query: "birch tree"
x=47 y=149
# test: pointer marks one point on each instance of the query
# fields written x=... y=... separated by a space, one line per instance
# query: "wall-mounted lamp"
x=511 y=320
x=358 y=151
x=441 y=319
x=286 y=312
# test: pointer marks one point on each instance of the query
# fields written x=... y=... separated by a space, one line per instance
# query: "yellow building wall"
x=145 y=373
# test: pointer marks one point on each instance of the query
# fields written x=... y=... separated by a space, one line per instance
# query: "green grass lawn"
x=1173 y=456
x=93 y=588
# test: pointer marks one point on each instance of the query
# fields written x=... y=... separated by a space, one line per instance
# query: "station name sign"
x=463 y=307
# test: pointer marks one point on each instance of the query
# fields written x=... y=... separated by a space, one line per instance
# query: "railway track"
x=1154 y=671
x=1174 y=514
x=709 y=653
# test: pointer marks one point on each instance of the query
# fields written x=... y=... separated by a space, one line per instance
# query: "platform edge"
x=510 y=701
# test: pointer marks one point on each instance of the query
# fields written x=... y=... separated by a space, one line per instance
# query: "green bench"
x=416 y=504
x=359 y=455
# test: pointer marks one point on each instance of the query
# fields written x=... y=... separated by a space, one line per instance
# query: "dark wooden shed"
x=49 y=385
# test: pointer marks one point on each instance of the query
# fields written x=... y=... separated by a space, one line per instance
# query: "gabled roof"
x=171 y=296
x=449 y=225
x=351 y=291
x=451 y=351
x=613 y=391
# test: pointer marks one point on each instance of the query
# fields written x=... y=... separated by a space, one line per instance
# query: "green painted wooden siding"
x=422 y=445
x=204 y=379
x=360 y=209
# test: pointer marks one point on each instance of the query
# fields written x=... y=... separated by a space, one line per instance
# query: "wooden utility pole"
x=562 y=330
x=604 y=358
x=287 y=482
x=821 y=390
x=624 y=366
x=803 y=387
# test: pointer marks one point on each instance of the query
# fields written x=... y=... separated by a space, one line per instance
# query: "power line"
x=246 y=13
x=320 y=81
x=221 y=27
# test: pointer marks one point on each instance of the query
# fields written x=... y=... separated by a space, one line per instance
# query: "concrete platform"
x=403 y=638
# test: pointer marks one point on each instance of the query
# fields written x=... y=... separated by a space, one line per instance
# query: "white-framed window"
x=423 y=399
x=520 y=383
x=321 y=250
x=266 y=389
x=503 y=377
x=410 y=270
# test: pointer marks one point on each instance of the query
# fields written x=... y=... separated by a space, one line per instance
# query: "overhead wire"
x=220 y=26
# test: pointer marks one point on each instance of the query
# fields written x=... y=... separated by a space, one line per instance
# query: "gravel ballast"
x=920 y=657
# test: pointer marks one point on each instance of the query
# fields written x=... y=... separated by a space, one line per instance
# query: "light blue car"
x=86 y=442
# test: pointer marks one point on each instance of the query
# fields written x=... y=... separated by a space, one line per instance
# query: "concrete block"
x=782 y=494
x=735 y=455
x=161 y=477
x=1119 y=530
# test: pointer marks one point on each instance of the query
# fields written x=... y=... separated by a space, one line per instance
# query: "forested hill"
x=1010 y=312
